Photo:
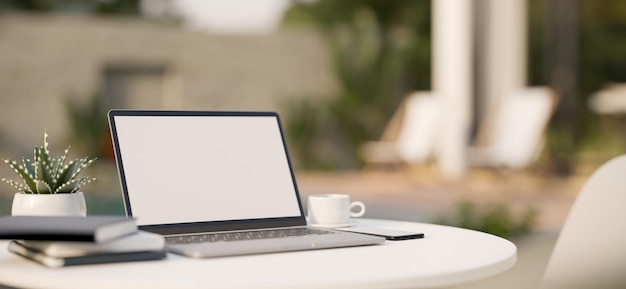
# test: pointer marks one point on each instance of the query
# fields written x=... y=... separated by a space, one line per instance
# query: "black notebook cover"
x=54 y=262
x=87 y=229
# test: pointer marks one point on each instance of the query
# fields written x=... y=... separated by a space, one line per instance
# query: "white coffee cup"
x=333 y=210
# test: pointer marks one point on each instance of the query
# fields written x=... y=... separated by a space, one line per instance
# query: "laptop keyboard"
x=244 y=235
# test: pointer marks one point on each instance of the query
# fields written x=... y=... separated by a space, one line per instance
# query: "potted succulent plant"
x=49 y=186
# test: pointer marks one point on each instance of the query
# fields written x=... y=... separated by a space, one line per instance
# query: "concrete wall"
x=43 y=59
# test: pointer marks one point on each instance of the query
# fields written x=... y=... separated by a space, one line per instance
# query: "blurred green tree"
x=89 y=129
x=493 y=218
x=381 y=51
x=599 y=60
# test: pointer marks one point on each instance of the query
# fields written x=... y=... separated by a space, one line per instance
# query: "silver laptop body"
x=215 y=183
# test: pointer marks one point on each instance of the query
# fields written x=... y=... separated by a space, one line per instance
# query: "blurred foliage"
x=602 y=45
x=89 y=126
x=494 y=218
x=381 y=51
x=120 y=7
x=601 y=61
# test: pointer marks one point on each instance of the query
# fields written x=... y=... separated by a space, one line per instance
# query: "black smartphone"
x=389 y=234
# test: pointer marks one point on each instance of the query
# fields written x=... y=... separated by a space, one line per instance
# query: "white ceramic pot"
x=49 y=205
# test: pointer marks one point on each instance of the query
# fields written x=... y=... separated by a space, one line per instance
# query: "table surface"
x=446 y=256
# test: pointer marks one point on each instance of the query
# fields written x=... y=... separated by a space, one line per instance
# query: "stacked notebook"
x=67 y=241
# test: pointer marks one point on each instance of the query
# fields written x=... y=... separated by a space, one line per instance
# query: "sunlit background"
x=487 y=114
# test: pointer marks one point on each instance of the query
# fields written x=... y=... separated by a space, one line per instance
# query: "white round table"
x=446 y=256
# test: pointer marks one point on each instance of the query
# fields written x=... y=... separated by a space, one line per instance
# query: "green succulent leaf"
x=76 y=169
x=83 y=182
x=28 y=180
x=18 y=186
x=73 y=185
x=57 y=164
x=66 y=187
x=84 y=163
x=37 y=157
x=46 y=175
x=54 y=168
x=49 y=175
x=65 y=172
x=45 y=151
x=43 y=187
x=29 y=167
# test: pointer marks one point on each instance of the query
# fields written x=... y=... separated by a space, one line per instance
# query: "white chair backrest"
x=418 y=133
x=591 y=249
x=519 y=126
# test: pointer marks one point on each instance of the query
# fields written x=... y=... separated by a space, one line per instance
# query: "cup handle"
x=359 y=213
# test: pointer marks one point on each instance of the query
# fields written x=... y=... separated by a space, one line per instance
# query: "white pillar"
x=452 y=80
x=503 y=50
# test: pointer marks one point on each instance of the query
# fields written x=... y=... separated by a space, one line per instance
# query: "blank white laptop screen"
x=181 y=169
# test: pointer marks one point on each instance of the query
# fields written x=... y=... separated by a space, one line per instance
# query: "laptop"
x=215 y=183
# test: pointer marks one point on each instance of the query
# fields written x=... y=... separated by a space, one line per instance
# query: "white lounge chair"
x=514 y=139
x=412 y=134
x=516 y=130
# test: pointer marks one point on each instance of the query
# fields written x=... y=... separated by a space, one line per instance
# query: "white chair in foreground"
x=516 y=130
x=415 y=136
x=591 y=249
